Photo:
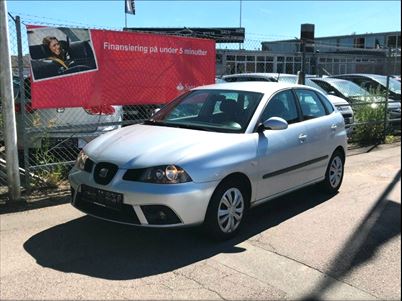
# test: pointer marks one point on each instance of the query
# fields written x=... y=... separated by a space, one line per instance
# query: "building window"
x=358 y=42
x=240 y=68
x=260 y=67
x=394 y=41
x=269 y=67
x=250 y=67
x=289 y=68
x=230 y=68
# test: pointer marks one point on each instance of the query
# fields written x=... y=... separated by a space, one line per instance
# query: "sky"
x=262 y=20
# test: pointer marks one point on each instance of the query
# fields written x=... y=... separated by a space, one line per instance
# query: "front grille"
x=122 y=213
x=104 y=172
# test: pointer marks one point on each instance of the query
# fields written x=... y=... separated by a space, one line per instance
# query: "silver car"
x=210 y=155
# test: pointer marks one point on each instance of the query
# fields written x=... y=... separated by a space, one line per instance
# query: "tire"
x=226 y=210
x=334 y=173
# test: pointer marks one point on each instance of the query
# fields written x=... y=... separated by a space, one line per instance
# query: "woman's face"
x=54 y=47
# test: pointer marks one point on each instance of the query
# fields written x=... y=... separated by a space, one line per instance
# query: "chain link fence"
x=49 y=140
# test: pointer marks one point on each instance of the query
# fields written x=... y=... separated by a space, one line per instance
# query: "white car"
x=210 y=155
x=61 y=128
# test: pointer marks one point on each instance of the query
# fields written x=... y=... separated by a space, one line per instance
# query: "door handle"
x=302 y=137
x=334 y=127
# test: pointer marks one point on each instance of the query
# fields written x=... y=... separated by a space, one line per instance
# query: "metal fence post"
x=23 y=104
x=387 y=66
x=7 y=99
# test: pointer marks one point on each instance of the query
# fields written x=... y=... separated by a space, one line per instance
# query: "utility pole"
x=7 y=99
x=306 y=36
x=240 y=19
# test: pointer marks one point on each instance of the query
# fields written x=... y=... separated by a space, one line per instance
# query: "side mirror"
x=155 y=111
x=274 y=123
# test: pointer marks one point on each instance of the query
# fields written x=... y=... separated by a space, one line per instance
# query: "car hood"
x=141 y=146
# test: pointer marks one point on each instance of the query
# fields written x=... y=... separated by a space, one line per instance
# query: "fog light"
x=160 y=215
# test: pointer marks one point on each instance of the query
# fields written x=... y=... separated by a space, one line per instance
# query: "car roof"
x=361 y=74
x=251 y=74
x=261 y=87
x=329 y=79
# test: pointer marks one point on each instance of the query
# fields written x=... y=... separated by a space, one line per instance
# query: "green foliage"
x=51 y=174
x=370 y=129
x=389 y=139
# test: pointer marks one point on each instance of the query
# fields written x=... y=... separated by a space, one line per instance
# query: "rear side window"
x=310 y=104
x=281 y=105
x=327 y=104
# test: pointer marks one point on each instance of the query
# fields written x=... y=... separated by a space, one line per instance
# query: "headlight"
x=81 y=159
x=165 y=174
x=344 y=108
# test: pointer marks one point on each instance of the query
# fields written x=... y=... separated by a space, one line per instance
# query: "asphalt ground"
x=303 y=246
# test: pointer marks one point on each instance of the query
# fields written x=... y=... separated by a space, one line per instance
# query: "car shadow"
x=381 y=224
x=112 y=251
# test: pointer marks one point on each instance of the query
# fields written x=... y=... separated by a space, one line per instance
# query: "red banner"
x=85 y=68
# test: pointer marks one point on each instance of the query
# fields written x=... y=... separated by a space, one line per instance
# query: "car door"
x=281 y=152
x=320 y=129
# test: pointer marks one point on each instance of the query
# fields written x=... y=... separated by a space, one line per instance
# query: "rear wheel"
x=226 y=210
x=334 y=173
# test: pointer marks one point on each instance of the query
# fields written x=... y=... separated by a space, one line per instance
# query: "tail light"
x=100 y=110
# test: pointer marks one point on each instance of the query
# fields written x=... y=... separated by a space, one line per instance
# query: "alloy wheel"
x=336 y=171
x=230 y=210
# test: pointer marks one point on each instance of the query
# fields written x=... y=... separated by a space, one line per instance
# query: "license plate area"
x=101 y=197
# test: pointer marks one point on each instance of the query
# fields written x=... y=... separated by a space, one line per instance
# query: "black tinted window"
x=281 y=105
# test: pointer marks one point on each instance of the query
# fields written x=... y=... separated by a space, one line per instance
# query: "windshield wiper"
x=154 y=122
x=187 y=126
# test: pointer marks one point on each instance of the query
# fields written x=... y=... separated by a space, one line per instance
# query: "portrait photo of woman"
x=59 y=52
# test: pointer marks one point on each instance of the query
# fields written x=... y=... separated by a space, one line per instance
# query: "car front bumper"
x=142 y=204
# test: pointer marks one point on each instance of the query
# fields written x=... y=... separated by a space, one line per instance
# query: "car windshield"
x=394 y=85
x=308 y=82
x=210 y=110
x=349 y=89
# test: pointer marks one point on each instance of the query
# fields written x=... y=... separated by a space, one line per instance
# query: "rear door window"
x=281 y=105
x=310 y=104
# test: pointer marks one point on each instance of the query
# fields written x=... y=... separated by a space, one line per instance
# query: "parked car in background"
x=375 y=84
x=61 y=128
x=341 y=104
x=138 y=113
x=355 y=94
x=211 y=154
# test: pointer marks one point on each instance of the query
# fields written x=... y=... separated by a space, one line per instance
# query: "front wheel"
x=334 y=173
x=226 y=211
